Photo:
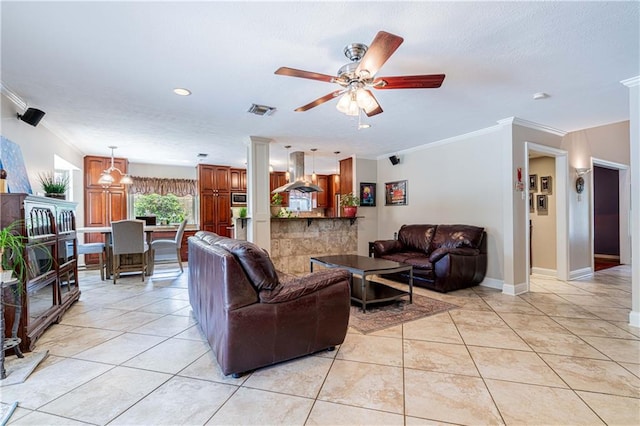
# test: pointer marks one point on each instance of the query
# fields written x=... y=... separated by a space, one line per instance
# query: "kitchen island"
x=294 y=240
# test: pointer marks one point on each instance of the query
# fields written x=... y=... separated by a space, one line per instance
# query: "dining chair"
x=128 y=247
x=175 y=244
x=94 y=248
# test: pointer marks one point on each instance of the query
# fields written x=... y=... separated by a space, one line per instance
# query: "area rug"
x=381 y=316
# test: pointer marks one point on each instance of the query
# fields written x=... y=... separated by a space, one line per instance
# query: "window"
x=168 y=209
x=299 y=201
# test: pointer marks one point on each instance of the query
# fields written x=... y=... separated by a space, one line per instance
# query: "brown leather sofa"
x=444 y=257
x=254 y=316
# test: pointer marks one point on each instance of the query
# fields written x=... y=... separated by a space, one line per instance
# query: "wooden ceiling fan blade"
x=292 y=72
x=320 y=101
x=432 y=81
x=369 y=103
x=381 y=49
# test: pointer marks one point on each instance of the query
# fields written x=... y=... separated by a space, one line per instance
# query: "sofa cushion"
x=421 y=262
x=403 y=256
x=456 y=236
x=416 y=237
x=255 y=261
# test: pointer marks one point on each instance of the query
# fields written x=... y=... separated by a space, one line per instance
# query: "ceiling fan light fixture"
x=348 y=104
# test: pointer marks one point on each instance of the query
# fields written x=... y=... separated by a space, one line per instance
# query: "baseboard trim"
x=492 y=283
x=544 y=271
x=634 y=319
x=514 y=289
x=607 y=256
x=579 y=273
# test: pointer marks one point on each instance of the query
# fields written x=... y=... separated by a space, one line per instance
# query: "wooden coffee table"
x=363 y=290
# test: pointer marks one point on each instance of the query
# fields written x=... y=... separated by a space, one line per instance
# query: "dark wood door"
x=322 y=197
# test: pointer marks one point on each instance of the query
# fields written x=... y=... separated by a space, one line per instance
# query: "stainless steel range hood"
x=298 y=183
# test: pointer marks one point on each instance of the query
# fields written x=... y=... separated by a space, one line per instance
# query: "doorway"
x=611 y=242
x=547 y=199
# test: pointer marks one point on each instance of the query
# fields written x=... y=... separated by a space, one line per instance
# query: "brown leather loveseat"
x=254 y=316
x=444 y=257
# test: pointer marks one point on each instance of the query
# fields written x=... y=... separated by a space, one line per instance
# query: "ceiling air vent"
x=261 y=109
x=201 y=155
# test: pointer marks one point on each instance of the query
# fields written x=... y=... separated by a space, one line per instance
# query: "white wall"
x=162 y=171
x=38 y=146
x=453 y=181
x=610 y=143
x=366 y=171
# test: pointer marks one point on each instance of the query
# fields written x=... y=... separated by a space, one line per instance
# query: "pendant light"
x=288 y=173
x=106 y=179
x=314 y=177
x=337 y=166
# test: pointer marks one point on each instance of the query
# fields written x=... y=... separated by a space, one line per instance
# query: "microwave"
x=238 y=198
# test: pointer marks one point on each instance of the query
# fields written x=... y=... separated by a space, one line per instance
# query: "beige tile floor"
x=131 y=354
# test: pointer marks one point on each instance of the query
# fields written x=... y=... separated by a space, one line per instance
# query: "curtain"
x=160 y=186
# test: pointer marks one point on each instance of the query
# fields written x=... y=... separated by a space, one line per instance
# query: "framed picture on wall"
x=533 y=183
x=546 y=186
x=542 y=204
x=367 y=194
x=396 y=193
x=531 y=203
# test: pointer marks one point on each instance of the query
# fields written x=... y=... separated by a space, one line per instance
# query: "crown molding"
x=22 y=106
x=441 y=142
x=531 y=125
x=631 y=82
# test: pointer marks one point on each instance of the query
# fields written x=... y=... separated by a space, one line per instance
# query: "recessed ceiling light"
x=181 y=91
x=540 y=95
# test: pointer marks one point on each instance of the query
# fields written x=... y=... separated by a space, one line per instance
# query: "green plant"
x=12 y=250
x=52 y=183
x=243 y=212
x=276 y=199
x=349 y=200
x=167 y=208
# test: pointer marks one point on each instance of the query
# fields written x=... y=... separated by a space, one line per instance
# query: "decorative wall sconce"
x=580 y=172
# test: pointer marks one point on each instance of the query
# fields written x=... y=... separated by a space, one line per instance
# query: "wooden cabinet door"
x=95 y=211
x=236 y=176
x=243 y=180
x=322 y=197
x=207 y=212
x=118 y=205
x=222 y=179
x=346 y=176
x=277 y=179
x=206 y=178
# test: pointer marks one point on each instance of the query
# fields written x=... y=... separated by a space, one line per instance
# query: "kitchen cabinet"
x=102 y=204
x=238 y=180
x=322 y=198
x=51 y=283
x=277 y=179
x=214 y=188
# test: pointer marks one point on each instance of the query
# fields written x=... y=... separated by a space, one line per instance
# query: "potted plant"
x=350 y=203
x=54 y=186
x=13 y=266
x=276 y=204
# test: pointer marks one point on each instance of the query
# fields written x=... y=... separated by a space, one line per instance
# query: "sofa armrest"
x=296 y=287
x=441 y=252
x=382 y=247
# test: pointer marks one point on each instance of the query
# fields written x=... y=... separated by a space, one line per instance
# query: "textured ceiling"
x=104 y=72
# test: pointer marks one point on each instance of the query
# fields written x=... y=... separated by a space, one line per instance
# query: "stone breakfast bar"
x=294 y=240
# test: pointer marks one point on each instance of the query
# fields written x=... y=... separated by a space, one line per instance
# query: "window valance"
x=161 y=186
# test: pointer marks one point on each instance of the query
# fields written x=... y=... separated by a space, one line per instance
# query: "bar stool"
x=94 y=248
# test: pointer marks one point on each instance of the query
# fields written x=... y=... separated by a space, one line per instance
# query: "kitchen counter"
x=294 y=240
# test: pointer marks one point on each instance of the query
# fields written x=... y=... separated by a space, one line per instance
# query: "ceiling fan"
x=360 y=74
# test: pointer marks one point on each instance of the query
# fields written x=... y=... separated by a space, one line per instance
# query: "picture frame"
x=546 y=185
x=533 y=183
x=541 y=202
x=367 y=194
x=396 y=193
x=531 y=203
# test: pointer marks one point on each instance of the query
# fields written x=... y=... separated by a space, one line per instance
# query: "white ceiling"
x=104 y=72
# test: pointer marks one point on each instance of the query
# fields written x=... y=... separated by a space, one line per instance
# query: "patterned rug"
x=381 y=316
